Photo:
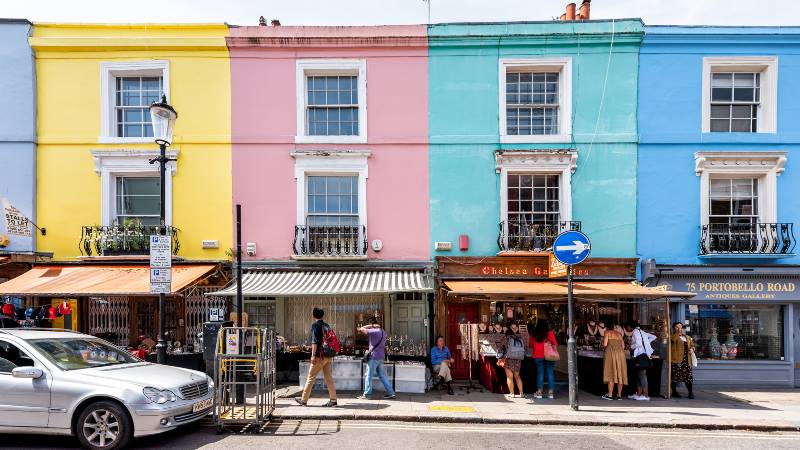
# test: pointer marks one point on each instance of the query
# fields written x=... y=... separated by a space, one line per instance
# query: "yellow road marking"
x=463 y=409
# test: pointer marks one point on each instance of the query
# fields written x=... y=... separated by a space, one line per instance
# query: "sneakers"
x=633 y=397
x=537 y=394
x=642 y=398
x=607 y=397
x=300 y=401
x=363 y=397
x=389 y=397
x=551 y=395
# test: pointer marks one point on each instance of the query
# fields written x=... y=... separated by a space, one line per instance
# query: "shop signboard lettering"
x=16 y=222
x=737 y=288
x=557 y=268
x=532 y=267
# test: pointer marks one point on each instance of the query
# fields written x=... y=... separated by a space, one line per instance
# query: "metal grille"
x=194 y=390
x=196 y=311
x=108 y=316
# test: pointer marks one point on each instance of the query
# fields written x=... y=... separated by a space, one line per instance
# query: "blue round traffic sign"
x=571 y=247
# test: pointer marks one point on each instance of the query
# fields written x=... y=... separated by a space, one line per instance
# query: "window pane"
x=720 y=187
x=743 y=95
x=720 y=125
x=721 y=79
x=739 y=125
x=737 y=331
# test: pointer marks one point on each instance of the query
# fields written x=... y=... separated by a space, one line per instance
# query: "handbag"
x=551 y=352
x=642 y=361
x=694 y=359
x=368 y=355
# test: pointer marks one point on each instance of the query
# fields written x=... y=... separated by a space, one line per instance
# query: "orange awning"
x=78 y=280
x=551 y=289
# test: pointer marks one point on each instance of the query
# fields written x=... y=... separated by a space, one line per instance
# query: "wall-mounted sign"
x=16 y=222
x=557 y=269
x=722 y=289
x=532 y=267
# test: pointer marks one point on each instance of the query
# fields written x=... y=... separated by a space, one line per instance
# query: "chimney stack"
x=585 y=6
x=275 y=22
x=262 y=22
x=570 y=14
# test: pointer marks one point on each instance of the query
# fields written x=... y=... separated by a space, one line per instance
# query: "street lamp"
x=163 y=117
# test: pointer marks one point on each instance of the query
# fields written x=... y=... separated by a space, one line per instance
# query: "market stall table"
x=590 y=374
x=348 y=375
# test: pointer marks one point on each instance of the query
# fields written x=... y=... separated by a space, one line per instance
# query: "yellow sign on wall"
x=557 y=269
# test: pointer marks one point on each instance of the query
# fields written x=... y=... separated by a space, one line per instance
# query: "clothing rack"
x=466 y=350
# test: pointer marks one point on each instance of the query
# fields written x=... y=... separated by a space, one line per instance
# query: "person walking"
x=319 y=362
x=513 y=352
x=640 y=345
x=615 y=369
x=541 y=335
x=374 y=358
x=441 y=359
x=681 y=350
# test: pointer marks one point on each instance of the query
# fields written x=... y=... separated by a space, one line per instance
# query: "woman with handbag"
x=641 y=351
x=681 y=352
x=615 y=369
x=545 y=354
x=513 y=352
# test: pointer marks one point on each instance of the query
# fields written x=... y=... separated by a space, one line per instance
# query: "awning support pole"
x=572 y=368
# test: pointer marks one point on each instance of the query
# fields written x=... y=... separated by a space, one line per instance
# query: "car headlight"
x=211 y=385
x=159 y=396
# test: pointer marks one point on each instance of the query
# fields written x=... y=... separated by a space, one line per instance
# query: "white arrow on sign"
x=577 y=247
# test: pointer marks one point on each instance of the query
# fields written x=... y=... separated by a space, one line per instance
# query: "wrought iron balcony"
x=747 y=239
x=122 y=240
x=347 y=240
x=531 y=237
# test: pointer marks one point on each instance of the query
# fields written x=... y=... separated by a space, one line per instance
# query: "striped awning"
x=300 y=282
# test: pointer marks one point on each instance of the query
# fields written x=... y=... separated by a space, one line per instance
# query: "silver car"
x=62 y=382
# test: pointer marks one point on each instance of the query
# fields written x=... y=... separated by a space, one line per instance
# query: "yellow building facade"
x=95 y=83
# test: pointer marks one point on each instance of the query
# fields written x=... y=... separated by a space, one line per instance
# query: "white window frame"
x=538 y=162
x=561 y=65
x=109 y=72
x=330 y=67
x=311 y=163
x=110 y=164
x=767 y=66
x=765 y=166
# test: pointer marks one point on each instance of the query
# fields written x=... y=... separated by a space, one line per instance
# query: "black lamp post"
x=163 y=117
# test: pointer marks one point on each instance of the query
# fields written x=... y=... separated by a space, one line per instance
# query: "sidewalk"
x=734 y=408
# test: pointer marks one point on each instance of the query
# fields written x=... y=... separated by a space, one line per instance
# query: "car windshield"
x=76 y=353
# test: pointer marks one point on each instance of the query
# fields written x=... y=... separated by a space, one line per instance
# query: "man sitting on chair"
x=441 y=359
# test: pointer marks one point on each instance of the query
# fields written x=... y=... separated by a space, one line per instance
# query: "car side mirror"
x=27 y=372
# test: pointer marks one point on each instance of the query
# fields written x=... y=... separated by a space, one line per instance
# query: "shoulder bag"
x=368 y=355
x=642 y=361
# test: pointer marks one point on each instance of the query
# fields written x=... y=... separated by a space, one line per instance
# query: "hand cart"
x=244 y=378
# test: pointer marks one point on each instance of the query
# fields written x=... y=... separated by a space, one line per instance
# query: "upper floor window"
x=733 y=201
x=533 y=199
x=331 y=101
x=535 y=100
x=332 y=105
x=138 y=200
x=132 y=104
x=128 y=88
x=740 y=95
x=332 y=200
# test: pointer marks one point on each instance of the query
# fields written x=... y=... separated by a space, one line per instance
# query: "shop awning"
x=301 y=282
x=550 y=289
x=76 y=280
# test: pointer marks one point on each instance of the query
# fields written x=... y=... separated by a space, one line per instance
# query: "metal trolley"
x=244 y=378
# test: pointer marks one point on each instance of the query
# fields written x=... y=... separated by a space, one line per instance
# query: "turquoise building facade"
x=479 y=135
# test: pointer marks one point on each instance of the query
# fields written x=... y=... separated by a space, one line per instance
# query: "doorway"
x=458 y=313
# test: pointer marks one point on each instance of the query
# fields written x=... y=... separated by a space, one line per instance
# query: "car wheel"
x=104 y=426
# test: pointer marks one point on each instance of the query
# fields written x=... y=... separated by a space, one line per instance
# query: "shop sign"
x=737 y=288
x=16 y=222
x=557 y=269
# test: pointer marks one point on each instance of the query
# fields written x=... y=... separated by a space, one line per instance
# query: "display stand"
x=466 y=350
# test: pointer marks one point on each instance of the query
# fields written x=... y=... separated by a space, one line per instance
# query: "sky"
x=371 y=12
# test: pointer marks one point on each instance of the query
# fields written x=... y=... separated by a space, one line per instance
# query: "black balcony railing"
x=748 y=239
x=345 y=240
x=122 y=240
x=532 y=237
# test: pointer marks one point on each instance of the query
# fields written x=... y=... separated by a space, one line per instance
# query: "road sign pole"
x=572 y=363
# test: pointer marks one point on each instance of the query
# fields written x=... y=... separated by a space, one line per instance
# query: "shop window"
x=331 y=101
x=737 y=331
x=344 y=314
x=260 y=312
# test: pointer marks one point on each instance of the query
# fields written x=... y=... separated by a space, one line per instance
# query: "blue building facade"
x=17 y=148
x=718 y=179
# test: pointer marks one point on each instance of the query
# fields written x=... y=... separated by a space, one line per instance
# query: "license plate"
x=205 y=404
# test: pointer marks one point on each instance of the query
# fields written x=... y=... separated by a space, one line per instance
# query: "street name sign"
x=571 y=247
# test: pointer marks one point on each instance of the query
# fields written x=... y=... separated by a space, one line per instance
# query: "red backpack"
x=330 y=343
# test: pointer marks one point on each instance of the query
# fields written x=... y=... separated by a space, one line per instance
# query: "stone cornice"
x=567 y=158
x=739 y=162
x=326 y=42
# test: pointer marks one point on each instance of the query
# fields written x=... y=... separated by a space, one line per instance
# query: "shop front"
x=113 y=302
x=743 y=319
x=283 y=299
x=490 y=294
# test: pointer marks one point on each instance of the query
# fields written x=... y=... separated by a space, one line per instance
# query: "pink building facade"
x=330 y=165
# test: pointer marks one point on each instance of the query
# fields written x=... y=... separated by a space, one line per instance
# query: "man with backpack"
x=323 y=348
x=374 y=359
